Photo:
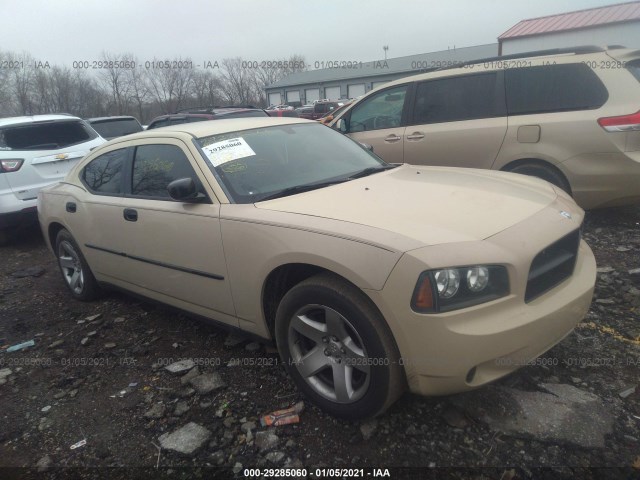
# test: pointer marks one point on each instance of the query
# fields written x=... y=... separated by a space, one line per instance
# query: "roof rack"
x=536 y=53
x=236 y=106
x=210 y=108
x=206 y=109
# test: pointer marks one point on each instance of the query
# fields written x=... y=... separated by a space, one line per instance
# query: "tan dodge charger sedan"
x=371 y=278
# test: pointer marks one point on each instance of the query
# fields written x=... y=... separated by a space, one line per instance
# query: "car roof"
x=208 y=113
x=204 y=129
x=463 y=68
x=34 y=119
x=182 y=115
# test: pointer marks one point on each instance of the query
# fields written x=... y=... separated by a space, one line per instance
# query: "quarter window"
x=553 y=88
x=382 y=110
x=155 y=167
x=104 y=174
x=458 y=98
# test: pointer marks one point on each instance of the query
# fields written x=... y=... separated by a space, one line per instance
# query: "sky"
x=65 y=31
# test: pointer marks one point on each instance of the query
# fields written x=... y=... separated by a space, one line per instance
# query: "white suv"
x=35 y=152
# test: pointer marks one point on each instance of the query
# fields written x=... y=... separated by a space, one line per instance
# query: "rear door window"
x=553 y=88
x=458 y=98
x=47 y=135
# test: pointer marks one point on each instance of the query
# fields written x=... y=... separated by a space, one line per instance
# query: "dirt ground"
x=96 y=373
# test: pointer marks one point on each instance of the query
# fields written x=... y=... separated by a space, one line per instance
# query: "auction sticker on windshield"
x=227 y=151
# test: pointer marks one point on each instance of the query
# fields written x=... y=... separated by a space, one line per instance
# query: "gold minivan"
x=571 y=117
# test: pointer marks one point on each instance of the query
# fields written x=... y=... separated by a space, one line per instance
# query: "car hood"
x=431 y=205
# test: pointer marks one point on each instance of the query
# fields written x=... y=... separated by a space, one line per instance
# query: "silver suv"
x=568 y=116
x=35 y=152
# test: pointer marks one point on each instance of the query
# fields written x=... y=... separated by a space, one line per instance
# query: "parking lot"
x=96 y=373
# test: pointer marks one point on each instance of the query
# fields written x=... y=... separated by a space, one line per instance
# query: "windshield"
x=262 y=163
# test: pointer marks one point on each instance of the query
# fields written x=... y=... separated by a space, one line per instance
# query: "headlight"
x=447 y=289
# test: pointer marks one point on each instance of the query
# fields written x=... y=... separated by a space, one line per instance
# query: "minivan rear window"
x=553 y=88
x=47 y=135
x=459 y=98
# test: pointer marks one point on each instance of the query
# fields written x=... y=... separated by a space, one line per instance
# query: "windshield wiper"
x=371 y=170
x=313 y=186
x=302 y=188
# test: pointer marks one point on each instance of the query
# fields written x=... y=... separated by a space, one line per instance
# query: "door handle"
x=415 y=136
x=130 y=215
x=392 y=138
x=71 y=207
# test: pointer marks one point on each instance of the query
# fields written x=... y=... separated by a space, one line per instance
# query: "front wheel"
x=544 y=172
x=74 y=268
x=338 y=349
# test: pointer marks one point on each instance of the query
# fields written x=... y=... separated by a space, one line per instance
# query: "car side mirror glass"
x=342 y=125
x=183 y=189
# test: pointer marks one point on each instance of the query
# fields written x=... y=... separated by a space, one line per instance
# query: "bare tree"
x=5 y=95
x=271 y=72
x=42 y=93
x=20 y=80
x=125 y=87
x=88 y=100
x=170 y=86
x=206 y=89
x=237 y=83
x=138 y=88
x=115 y=80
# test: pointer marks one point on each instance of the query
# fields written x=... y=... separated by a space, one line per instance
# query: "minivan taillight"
x=11 y=164
x=623 y=123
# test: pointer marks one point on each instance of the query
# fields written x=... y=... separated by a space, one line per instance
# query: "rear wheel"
x=548 y=173
x=338 y=349
x=74 y=268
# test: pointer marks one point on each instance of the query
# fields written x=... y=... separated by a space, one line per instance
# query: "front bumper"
x=459 y=350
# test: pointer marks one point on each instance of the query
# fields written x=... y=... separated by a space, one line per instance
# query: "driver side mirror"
x=184 y=190
x=342 y=125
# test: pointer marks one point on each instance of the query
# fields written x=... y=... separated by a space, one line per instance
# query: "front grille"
x=552 y=265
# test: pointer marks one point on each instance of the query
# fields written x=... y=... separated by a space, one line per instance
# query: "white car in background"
x=36 y=151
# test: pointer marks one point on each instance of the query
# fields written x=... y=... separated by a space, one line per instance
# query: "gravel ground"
x=97 y=374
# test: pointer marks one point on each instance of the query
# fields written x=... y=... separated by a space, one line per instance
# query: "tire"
x=338 y=348
x=544 y=172
x=75 y=271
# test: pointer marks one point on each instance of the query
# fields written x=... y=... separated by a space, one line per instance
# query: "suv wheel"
x=338 y=349
x=74 y=269
x=548 y=173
